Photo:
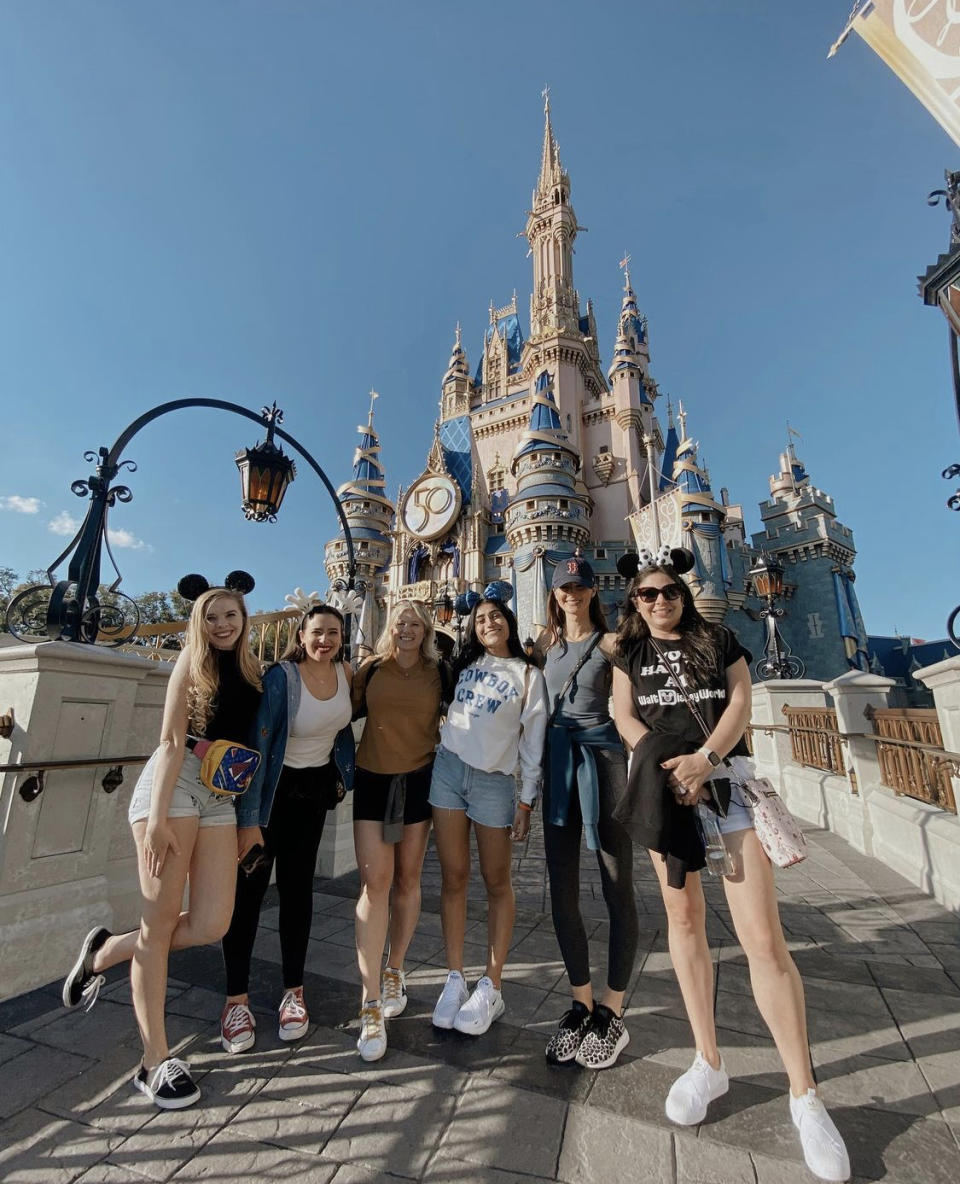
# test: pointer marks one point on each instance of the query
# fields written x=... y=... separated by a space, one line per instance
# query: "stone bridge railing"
x=884 y=780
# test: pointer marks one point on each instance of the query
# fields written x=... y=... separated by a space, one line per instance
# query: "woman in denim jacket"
x=304 y=734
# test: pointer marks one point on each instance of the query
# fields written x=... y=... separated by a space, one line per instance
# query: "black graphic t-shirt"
x=660 y=703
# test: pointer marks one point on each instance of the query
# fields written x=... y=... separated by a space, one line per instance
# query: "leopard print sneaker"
x=565 y=1042
x=605 y=1039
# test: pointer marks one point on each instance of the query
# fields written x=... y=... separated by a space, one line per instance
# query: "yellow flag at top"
x=920 y=41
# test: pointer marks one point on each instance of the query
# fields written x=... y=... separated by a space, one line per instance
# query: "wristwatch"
x=710 y=755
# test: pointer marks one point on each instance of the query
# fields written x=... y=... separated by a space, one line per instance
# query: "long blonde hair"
x=386 y=648
x=204 y=673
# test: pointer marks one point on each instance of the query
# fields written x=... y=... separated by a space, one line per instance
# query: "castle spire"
x=550 y=167
x=550 y=230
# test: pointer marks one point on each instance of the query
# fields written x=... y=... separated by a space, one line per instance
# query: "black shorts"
x=370 y=792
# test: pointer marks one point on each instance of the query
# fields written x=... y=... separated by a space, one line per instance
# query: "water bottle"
x=719 y=860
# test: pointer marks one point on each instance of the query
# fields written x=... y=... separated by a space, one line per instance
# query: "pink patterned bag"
x=776 y=827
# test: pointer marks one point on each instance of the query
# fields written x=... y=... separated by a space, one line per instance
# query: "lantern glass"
x=265 y=473
x=767 y=577
x=443 y=607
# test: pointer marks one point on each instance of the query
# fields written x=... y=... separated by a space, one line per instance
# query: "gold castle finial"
x=373 y=396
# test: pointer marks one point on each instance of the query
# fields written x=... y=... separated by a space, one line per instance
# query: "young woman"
x=495 y=724
x=400 y=690
x=672 y=769
x=585 y=779
x=303 y=730
x=183 y=832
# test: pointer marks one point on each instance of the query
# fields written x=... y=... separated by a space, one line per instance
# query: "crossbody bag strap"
x=572 y=675
x=697 y=714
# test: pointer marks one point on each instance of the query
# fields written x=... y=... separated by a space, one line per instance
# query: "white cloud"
x=64 y=523
x=124 y=539
x=20 y=505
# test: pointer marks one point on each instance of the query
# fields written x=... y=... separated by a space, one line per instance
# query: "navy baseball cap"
x=573 y=570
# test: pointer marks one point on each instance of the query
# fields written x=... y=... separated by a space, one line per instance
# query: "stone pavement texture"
x=881 y=966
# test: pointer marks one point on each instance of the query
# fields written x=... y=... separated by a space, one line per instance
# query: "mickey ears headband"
x=679 y=558
x=344 y=602
x=193 y=586
x=499 y=590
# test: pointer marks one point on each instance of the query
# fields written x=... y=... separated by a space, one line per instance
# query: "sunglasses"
x=649 y=595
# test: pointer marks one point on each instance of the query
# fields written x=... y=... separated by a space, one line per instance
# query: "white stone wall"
x=67 y=859
x=918 y=840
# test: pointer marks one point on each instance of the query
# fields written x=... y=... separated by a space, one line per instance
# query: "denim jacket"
x=278 y=705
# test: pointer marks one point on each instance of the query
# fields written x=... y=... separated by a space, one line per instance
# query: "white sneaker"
x=372 y=1043
x=483 y=1007
x=393 y=992
x=452 y=998
x=694 y=1090
x=823 y=1145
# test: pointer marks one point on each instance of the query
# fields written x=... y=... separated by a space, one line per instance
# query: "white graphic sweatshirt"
x=491 y=725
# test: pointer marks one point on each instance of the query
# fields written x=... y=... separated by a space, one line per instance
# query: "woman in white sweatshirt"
x=495 y=726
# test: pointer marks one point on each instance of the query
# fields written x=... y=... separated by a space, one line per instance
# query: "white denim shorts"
x=191 y=798
x=738 y=815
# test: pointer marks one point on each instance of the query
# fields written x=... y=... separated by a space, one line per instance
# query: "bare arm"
x=158 y=838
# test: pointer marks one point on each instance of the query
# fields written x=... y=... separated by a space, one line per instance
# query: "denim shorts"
x=738 y=815
x=488 y=798
x=191 y=798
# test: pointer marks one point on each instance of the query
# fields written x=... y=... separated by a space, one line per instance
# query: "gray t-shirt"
x=586 y=703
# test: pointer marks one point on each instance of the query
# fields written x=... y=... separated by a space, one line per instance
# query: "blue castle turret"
x=547 y=518
x=370 y=514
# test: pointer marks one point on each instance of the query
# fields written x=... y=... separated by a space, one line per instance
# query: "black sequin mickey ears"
x=193 y=586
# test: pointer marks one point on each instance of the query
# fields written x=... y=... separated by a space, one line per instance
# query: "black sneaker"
x=81 y=985
x=169 y=1086
x=570 y=1032
x=606 y=1038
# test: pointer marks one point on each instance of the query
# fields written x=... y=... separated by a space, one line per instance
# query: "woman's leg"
x=405 y=902
x=690 y=955
x=776 y=983
x=451 y=830
x=495 y=849
x=615 y=859
x=238 y=941
x=208 y=856
x=375 y=859
x=296 y=828
x=562 y=849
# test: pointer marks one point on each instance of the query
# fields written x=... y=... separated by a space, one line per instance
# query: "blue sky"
x=281 y=199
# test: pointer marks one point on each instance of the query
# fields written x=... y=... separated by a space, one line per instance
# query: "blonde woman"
x=183 y=832
x=400 y=691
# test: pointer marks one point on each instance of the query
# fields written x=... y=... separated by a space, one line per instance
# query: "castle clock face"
x=431 y=506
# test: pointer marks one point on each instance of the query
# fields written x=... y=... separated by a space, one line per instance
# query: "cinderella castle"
x=542 y=451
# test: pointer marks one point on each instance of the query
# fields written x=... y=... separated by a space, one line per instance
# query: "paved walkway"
x=881 y=963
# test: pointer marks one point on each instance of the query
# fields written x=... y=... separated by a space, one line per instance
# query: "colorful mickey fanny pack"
x=225 y=768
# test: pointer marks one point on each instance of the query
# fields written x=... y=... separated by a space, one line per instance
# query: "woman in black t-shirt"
x=671 y=765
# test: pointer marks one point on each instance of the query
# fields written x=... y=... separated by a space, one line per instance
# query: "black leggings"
x=291 y=839
x=615 y=859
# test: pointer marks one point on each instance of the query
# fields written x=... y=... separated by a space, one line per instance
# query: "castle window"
x=530 y=505
x=496 y=479
x=564 y=504
x=600 y=553
x=604 y=448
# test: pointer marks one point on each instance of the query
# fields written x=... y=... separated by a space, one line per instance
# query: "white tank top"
x=314 y=728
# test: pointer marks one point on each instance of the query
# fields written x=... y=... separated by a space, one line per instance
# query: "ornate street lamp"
x=443 y=607
x=265 y=473
x=940 y=288
x=72 y=609
x=766 y=576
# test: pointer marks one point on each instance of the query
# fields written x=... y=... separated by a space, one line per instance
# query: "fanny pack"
x=225 y=768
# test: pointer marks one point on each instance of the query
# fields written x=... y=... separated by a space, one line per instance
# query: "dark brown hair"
x=699 y=638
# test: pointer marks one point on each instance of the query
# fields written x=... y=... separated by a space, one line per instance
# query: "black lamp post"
x=71 y=610
x=940 y=287
x=766 y=576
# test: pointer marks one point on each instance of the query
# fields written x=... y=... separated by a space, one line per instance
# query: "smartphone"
x=253 y=858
